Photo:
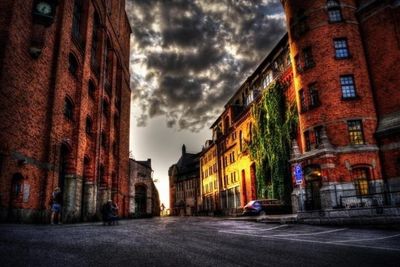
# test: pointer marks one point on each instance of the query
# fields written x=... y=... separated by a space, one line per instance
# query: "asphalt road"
x=196 y=241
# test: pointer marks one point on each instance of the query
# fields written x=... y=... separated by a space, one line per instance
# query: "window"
x=106 y=107
x=334 y=11
x=95 y=51
x=355 y=132
x=234 y=136
x=308 y=58
x=108 y=68
x=73 y=64
x=348 y=87
x=303 y=105
x=267 y=79
x=317 y=135
x=89 y=125
x=103 y=140
x=91 y=89
x=314 y=97
x=68 y=108
x=77 y=22
x=361 y=177
x=240 y=141
x=307 y=141
x=300 y=25
x=341 y=49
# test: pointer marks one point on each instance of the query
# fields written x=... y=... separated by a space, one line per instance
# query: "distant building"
x=184 y=184
x=144 y=200
x=65 y=107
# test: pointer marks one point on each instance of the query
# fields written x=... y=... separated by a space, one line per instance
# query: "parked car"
x=265 y=206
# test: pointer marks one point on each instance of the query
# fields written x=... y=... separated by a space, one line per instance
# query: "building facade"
x=348 y=105
x=65 y=101
x=184 y=186
x=339 y=64
x=144 y=200
x=232 y=134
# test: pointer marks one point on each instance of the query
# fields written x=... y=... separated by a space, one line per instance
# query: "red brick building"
x=65 y=104
x=340 y=63
x=346 y=67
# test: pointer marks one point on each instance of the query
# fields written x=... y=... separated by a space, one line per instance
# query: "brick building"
x=144 y=198
x=339 y=62
x=228 y=173
x=184 y=184
x=346 y=85
x=65 y=104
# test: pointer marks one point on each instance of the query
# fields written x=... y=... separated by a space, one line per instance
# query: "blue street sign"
x=298 y=173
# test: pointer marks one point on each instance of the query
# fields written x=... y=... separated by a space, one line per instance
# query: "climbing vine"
x=275 y=122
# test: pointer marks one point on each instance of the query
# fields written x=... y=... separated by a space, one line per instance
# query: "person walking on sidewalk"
x=56 y=198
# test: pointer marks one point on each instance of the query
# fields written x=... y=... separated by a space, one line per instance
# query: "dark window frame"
x=361 y=177
x=348 y=87
x=334 y=11
x=307 y=141
x=308 y=58
x=356 y=132
x=73 y=64
x=69 y=108
x=341 y=46
x=303 y=103
x=314 y=95
x=89 y=126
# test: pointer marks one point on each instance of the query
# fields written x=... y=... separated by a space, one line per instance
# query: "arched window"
x=361 y=177
x=68 y=108
x=89 y=125
x=73 y=64
x=334 y=11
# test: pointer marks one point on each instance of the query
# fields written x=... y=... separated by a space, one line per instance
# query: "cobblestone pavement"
x=196 y=241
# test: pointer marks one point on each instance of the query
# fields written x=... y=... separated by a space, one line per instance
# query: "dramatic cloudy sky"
x=187 y=58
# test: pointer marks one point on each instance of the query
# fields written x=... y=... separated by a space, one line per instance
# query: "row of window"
x=231 y=159
x=299 y=25
x=230 y=179
x=347 y=86
x=208 y=188
x=210 y=171
x=208 y=157
x=306 y=61
x=312 y=138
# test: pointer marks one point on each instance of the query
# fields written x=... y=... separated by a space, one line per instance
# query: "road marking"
x=314 y=241
x=254 y=229
x=273 y=228
x=366 y=239
x=317 y=233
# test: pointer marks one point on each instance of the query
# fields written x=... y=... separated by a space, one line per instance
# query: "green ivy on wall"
x=270 y=146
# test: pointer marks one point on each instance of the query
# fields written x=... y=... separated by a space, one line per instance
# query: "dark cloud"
x=196 y=53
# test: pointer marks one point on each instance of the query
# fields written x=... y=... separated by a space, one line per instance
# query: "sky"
x=187 y=59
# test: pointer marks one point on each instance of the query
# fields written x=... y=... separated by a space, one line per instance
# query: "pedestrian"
x=114 y=211
x=56 y=199
x=106 y=212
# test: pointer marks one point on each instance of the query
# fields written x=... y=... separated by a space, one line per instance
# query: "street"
x=196 y=241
